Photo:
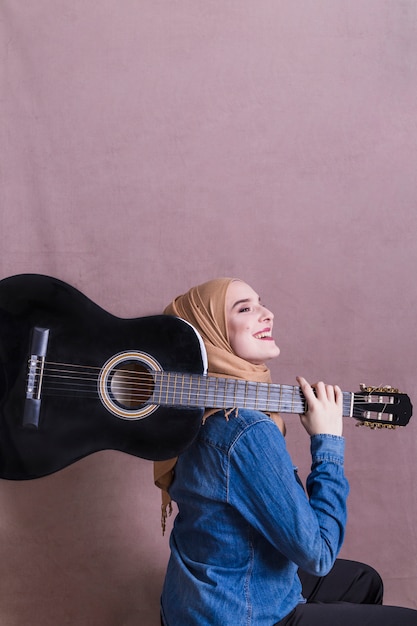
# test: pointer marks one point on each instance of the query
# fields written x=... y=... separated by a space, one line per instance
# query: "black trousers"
x=350 y=595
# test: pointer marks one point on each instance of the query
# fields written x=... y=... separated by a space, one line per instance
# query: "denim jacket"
x=245 y=524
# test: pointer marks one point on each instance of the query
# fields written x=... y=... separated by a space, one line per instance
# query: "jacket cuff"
x=327 y=448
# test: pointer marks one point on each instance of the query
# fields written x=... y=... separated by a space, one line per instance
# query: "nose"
x=266 y=314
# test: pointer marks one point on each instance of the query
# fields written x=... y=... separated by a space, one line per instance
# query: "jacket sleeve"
x=308 y=528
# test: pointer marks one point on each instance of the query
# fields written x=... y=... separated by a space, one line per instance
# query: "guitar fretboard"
x=173 y=389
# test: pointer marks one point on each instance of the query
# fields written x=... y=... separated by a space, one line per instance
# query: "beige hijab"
x=204 y=308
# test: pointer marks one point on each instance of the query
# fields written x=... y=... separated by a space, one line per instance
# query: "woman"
x=249 y=547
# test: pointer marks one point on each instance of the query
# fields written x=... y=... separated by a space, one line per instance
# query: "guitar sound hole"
x=131 y=385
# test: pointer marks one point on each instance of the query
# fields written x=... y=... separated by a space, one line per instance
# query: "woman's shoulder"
x=237 y=417
x=225 y=427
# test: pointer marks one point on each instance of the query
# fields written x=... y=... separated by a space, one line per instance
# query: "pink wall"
x=147 y=146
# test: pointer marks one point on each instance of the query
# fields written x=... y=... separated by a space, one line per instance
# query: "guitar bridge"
x=36 y=363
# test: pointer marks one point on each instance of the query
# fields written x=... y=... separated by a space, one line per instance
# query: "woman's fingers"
x=324 y=408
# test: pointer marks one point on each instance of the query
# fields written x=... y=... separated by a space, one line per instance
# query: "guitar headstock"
x=381 y=407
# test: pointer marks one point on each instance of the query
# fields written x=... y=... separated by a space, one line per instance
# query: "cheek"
x=238 y=338
x=232 y=340
x=234 y=333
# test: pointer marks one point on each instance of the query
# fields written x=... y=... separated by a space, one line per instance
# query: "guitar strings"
x=60 y=378
x=135 y=377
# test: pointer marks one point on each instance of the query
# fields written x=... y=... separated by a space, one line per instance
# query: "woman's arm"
x=307 y=528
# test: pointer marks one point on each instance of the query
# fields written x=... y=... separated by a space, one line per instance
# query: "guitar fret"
x=228 y=393
x=235 y=390
x=221 y=387
x=246 y=393
x=209 y=398
x=174 y=389
x=181 y=390
x=260 y=397
x=229 y=398
x=189 y=388
x=198 y=387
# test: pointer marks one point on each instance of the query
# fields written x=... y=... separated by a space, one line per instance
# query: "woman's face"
x=249 y=324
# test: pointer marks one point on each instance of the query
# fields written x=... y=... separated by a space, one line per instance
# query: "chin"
x=274 y=351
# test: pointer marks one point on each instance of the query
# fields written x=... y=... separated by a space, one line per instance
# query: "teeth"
x=262 y=335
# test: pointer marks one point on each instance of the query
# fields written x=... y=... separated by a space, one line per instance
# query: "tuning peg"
x=376 y=426
x=381 y=389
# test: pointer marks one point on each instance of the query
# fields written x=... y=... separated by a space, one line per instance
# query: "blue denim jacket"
x=245 y=524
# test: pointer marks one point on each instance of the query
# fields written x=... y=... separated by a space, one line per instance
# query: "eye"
x=244 y=309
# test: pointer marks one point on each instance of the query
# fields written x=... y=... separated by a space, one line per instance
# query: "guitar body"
x=70 y=426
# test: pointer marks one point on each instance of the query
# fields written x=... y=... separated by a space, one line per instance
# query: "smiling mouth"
x=265 y=334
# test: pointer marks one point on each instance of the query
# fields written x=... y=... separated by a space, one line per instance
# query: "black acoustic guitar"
x=75 y=379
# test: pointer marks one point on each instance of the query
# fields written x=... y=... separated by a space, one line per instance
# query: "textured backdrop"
x=148 y=145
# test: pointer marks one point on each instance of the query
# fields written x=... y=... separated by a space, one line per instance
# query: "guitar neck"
x=173 y=389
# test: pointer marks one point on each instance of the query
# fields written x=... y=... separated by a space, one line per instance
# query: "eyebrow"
x=243 y=301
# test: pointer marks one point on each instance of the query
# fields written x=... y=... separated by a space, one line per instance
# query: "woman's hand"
x=324 y=415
